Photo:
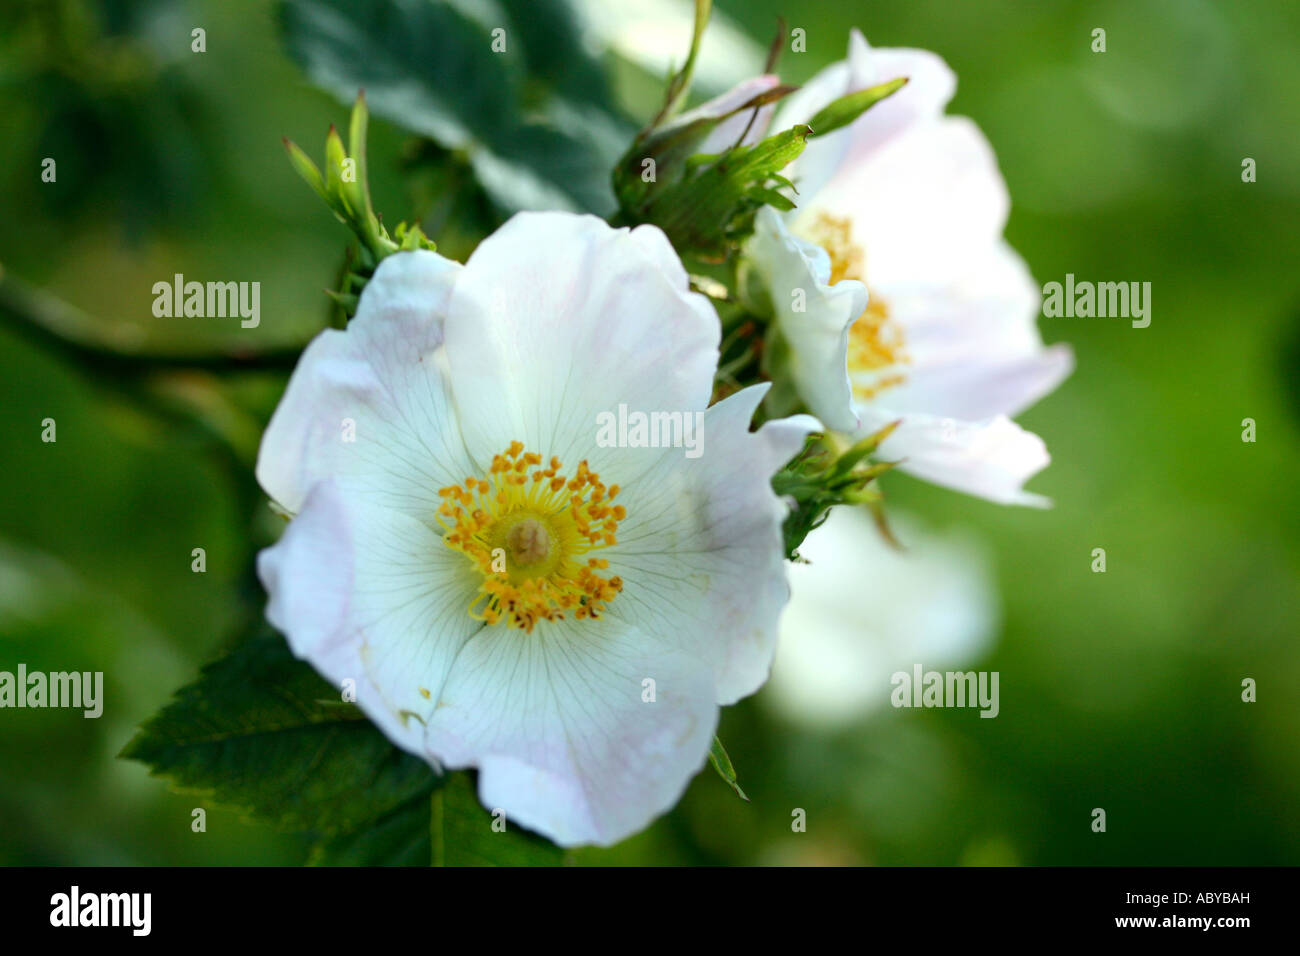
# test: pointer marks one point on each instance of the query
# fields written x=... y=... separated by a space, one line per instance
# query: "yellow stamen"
x=529 y=530
x=876 y=342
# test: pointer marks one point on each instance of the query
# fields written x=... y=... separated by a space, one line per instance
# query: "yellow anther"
x=529 y=534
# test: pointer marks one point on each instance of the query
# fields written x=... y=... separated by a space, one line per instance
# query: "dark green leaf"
x=430 y=67
x=463 y=832
x=398 y=838
x=554 y=53
x=259 y=731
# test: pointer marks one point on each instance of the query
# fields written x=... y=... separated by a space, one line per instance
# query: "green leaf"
x=554 y=53
x=533 y=137
x=463 y=833
x=846 y=109
x=261 y=732
x=398 y=838
x=722 y=764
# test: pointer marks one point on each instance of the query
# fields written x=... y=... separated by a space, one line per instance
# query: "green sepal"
x=307 y=169
x=843 y=111
x=722 y=764
x=826 y=474
x=710 y=211
x=349 y=199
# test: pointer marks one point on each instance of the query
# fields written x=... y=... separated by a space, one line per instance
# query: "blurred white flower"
x=655 y=34
x=505 y=592
x=861 y=610
x=893 y=288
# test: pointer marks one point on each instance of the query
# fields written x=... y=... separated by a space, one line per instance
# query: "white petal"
x=382 y=376
x=557 y=318
x=653 y=33
x=924 y=208
x=972 y=346
x=557 y=725
x=979 y=388
x=930 y=86
x=861 y=610
x=796 y=273
x=701 y=551
x=989 y=312
x=371 y=595
x=990 y=459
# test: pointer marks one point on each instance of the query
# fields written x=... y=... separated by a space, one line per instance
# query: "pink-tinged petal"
x=369 y=405
x=989 y=312
x=583 y=730
x=989 y=459
x=728 y=132
x=558 y=318
x=701 y=552
x=978 y=389
x=972 y=346
x=931 y=84
x=373 y=596
x=922 y=209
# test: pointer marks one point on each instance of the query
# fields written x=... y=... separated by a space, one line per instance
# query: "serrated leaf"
x=430 y=67
x=252 y=734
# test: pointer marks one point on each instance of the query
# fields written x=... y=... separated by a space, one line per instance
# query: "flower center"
x=530 y=531
x=528 y=542
x=876 y=341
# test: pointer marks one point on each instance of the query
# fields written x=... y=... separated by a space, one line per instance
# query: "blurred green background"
x=1119 y=690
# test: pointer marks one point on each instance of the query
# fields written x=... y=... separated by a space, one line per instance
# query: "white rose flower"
x=505 y=593
x=894 y=289
x=861 y=610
